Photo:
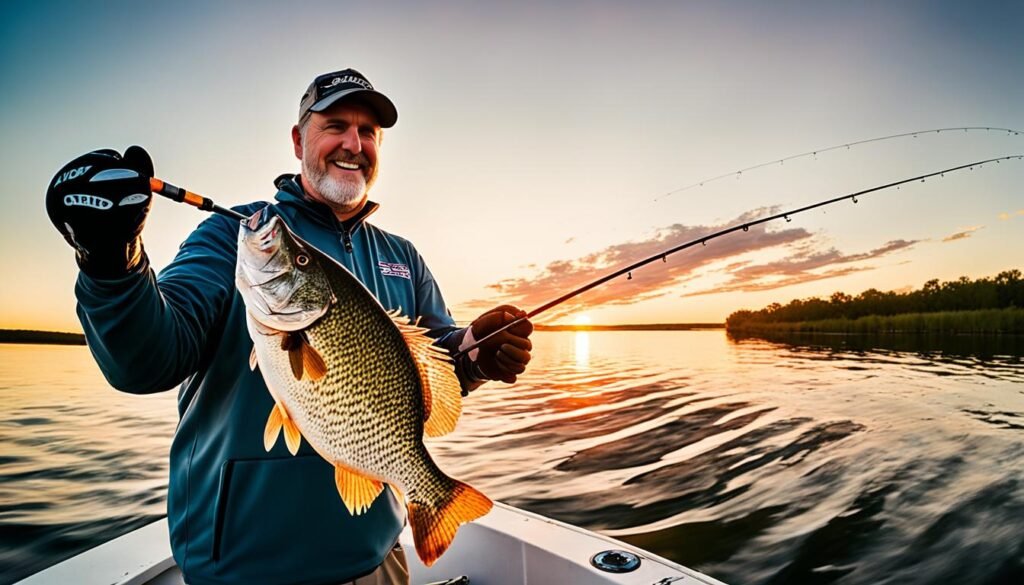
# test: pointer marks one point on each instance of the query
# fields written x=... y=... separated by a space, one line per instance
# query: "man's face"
x=339 y=156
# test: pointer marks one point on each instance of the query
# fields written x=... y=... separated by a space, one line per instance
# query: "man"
x=238 y=514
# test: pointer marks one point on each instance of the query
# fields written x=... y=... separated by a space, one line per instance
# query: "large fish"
x=360 y=384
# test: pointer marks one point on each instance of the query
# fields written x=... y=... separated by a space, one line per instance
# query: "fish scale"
x=358 y=397
x=365 y=393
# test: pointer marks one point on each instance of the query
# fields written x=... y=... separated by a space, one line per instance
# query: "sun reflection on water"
x=582 y=347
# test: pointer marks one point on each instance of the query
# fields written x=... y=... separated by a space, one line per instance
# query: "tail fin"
x=433 y=529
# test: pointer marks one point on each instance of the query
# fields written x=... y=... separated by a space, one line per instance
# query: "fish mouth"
x=266 y=278
x=262 y=237
x=262 y=232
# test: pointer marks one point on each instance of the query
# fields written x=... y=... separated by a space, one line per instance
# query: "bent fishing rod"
x=180 y=195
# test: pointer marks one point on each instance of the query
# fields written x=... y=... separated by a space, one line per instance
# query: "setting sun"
x=582 y=320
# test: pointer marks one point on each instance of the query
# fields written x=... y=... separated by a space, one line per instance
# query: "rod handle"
x=176 y=193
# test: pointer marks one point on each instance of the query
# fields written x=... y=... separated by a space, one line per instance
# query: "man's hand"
x=99 y=202
x=504 y=356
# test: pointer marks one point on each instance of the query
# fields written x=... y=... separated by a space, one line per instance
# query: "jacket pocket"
x=222 y=499
x=282 y=521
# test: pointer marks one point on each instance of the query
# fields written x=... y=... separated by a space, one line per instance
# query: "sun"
x=582 y=319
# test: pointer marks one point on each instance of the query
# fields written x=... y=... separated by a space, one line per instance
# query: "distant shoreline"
x=44 y=337
x=1009 y=321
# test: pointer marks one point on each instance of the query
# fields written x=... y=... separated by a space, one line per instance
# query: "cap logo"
x=347 y=79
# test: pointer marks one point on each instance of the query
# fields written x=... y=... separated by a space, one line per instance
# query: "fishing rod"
x=175 y=193
x=845 y=145
x=180 y=195
x=704 y=240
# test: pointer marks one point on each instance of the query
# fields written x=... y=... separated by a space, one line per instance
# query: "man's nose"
x=350 y=140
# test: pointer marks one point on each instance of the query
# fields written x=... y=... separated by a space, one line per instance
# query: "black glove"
x=99 y=203
x=504 y=356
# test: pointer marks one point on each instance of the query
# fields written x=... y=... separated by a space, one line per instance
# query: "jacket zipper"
x=346 y=238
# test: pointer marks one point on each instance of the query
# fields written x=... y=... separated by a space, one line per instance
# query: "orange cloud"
x=965 y=233
x=804 y=265
x=806 y=261
x=561 y=276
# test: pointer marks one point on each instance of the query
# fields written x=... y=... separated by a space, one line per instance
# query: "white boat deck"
x=508 y=546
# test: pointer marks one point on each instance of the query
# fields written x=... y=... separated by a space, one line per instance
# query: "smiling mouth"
x=346 y=165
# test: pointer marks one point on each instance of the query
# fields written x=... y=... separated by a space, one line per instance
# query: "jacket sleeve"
x=148 y=333
x=435 y=316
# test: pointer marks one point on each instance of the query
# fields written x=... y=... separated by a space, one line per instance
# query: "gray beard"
x=344 y=194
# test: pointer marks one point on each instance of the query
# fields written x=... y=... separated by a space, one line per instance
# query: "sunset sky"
x=537 y=144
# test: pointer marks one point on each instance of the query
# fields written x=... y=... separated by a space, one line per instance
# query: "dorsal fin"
x=442 y=395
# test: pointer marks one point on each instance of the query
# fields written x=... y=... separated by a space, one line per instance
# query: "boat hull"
x=508 y=546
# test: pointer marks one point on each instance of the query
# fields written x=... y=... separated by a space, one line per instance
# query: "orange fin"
x=252 y=359
x=304 y=359
x=273 y=428
x=295 y=359
x=292 y=436
x=433 y=529
x=442 y=395
x=356 y=490
x=312 y=364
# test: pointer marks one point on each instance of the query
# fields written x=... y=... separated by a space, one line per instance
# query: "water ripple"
x=835 y=460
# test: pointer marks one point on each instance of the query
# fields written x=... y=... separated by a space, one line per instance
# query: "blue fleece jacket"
x=237 y=513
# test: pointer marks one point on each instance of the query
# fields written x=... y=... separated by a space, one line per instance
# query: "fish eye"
x=302 y=260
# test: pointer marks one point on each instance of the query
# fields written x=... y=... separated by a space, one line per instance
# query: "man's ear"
x=297 y=141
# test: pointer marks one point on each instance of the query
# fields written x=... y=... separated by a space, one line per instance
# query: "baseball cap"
x=329 y=88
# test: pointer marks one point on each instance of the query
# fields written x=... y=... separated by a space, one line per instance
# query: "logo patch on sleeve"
x=394 y=269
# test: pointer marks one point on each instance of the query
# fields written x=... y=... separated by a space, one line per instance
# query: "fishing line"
x=814 y=153
x=845 y=145
x=180 y=195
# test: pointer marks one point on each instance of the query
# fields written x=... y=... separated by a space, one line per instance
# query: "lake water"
x=831 y=460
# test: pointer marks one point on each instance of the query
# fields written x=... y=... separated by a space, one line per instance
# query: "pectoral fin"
x=312 y=364
x=304 y=359
x=252 y=359
x=356 y=490
x=295 y=360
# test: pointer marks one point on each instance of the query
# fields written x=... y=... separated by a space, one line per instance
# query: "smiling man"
x=337 y=142
x=237 y=513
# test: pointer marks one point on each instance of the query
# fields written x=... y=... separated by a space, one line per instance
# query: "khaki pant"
x=393 y=571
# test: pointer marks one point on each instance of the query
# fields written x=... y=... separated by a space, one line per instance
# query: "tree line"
x=1003 y=291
